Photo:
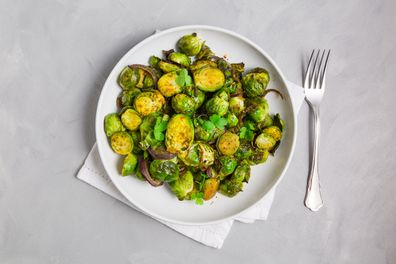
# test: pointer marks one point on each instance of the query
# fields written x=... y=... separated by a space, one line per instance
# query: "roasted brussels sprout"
x=154 y=61
x=131 y=119
x=191 y=156
x=183 y=185
x=112 y=124
x=266 y=122
x=274 y=132
x=168 y=67
x=204 y=134
x=232 y=120
x=226 y=165
x=127 y=97
x=167 y=84
x=121 y=143
x=259 y=157
x=265 y=141
x=149 y=102
x=237 y=70
x=217 y=105
x=258 y=110
x=210 y=188
x=190 y=44
x=197 y=95
x=237 y=104
x=164 y=170
x=183 y=104
x=209 y=79
x=245 y=150
x=206 y=155
x=255 y=82
x=179 y=58
x=179 y=134
x=137 y=75
x=234 y=184
x=228 y=143
x=129 y=165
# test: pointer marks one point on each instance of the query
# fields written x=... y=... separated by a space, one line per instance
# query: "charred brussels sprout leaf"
x=112 y=124
x=131 y=119
x=183 y=104
x=205 y=53
x=255 y=82
x=202 y=64
x=121 y=143
x=154 y=61
x=228 y=143
x=164 y=170
x=277 y=121
x=190 y=44
x=127 y=96
x=183 y=185
x=230 y=187
x=129 y=165
x=179 y=58
x=179 y=134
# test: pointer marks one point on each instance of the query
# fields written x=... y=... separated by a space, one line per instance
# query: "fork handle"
x=313 y=199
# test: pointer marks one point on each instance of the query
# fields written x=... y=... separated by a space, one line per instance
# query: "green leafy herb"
x=208 y=126
x=183 y=79
x=246 y=133
x=159 y=128
x=218 y=121
x=198 y=198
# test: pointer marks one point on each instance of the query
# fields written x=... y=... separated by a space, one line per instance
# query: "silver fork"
x=314 y=87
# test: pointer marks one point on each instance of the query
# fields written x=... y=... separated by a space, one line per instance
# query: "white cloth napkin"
x=93 y=173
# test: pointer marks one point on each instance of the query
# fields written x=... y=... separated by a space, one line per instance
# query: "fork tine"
x=306 y=77
x=322 y=84
x=313 y=75
x=318 y=72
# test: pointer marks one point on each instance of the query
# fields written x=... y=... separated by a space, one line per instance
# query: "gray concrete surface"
x=55 y=56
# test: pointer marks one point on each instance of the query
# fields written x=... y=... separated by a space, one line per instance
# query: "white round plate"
x=160 y=202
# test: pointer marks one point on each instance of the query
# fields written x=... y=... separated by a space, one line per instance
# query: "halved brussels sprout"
x=202 y=64
x=164 y=170
x=206 y=155
x=179 y=134
x=129 y=165
x=127 y=96
x=230 y=187
x=183 y=186
x=232 y=120
x=137 y=75
x=197 y=95
x=121 y=143
x=149 y=102
x=258 y=110
x=274 y=132
x=210 y=188
x=265 y=141
x=217 y=105
x=228 y=143
x=255 y=82
x=226 y=165
x=237 y=104
x=259 y=157
x=190 y=44
x=205 y=135
x=131 y=119
x=112 y=124
x=191 y=156
x=183 y=104
x=168 y=67
x=179 y=58
x=168 y=86
x=266 y=122
x=209 y=79
x=245 y=150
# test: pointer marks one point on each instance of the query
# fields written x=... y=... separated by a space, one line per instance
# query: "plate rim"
x=157 y=34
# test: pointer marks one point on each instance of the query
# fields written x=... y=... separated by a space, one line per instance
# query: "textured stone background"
x=55 y=56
